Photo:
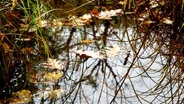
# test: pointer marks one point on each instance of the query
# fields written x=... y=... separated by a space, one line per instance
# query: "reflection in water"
x=104 y=64
x=135 y=76
x=104 y=59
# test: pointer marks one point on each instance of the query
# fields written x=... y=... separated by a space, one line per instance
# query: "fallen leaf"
x=56 y=22
x=54 y=64
x=6 y=47
x=167 y=21
x=148 y=22
x=153 y=4
x=112 y=51
x=1 y=37
x=53 y=76
x=20 y=97
x=56 y=94
x=87 y=41
x=78 y=21
x=89 y=54
x=86 y=17
x=122 y=2
x=102 y=54
x=94 y=13
x=27 y=50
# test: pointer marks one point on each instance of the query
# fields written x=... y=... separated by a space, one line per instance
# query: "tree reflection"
x=147 y=68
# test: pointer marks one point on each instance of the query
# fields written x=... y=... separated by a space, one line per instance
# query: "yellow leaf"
x=14 y=3
x=53 y=76
x=56 y=94
x=23 y=94
x=87 y=41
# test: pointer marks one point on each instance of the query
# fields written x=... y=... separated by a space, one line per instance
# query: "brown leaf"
x=6 y=47
x=89 y=54
x=1 y=37
x=27 y=50
x=95 y=13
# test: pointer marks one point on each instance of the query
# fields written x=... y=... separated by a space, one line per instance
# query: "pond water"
x=106 y=56
x=89 y=79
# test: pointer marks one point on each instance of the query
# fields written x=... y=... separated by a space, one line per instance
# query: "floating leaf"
x=86 y=17
x=23 y=93
x=94 y=13
x=122 y=2
x=167 y=21
x=148 y=22
x=27 y=50
x=112 y=51
x=118 y=11
x=43 y=23
x=102 y=54
x=140 y=19
x=56 y=22
x=153 y=4
x=20 y=97
x=106 y=15
x=56 y=94
x=53 y=76
x=87 y=41
x=54 y=64
x=89 y=54
x=156 y=3
x=78 y=21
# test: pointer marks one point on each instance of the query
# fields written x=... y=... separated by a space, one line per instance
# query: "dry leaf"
x=112 y=51
x=56 y=94
x=54 y=64
x=21 y=97
x=57 y=22
x=53 y=76
x=1 y=37
x=148 y=22
x=23 y=93
x=27 y=50
x=6 y=47
x=122 y=2
x=153 y=4
x=167 y=21
x=86 y=17
x=89 y=54
x=94 y=13
x=87 y=41
x=102 y=54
